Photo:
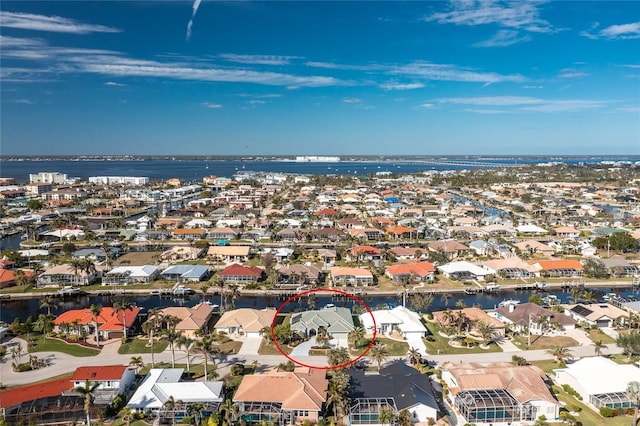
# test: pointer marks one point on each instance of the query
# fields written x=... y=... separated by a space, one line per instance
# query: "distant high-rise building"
x=48 y=177
x=119 y=180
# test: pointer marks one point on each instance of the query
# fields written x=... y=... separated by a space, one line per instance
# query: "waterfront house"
x=598 y=314
x=533 y=247
x=371 y=234
x=282 y=397
x=470 y=316
x=245 y=321
x=189 y=233
x=359 y=254
x=559 y=267
x=399 y=319
x=600 y=381
x=619 y=267
x=499 y=393
x=191 y=319
x=397 y=387
x=125 y=275
x=109 y=381
x=111 y=324
x=223 y=233
x=451 y=248
x=66 y=274
x=181 y=253
x=297 y=275
x=240 y=274
x=7 y=278
x=463 y=270
x=406 y=253
x=350 y=276
x=229 y=254
x=336 y=321
x=529 y=317
x=160 y=384
x=412 y=272
x=190 y=273
x=511 y=268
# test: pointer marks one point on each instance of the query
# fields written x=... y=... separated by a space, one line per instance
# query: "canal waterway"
x=22 y=309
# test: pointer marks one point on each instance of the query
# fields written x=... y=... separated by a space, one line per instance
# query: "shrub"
x=607 y=412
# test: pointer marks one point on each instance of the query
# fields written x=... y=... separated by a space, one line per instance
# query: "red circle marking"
x=324 y=290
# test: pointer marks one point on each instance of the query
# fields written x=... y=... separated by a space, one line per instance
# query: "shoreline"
x=358 y=292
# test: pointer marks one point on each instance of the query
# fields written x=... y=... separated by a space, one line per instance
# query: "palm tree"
x=386 y=416
x=207 y=349
x=195 y=410
x=137 y=362
x=171 y=336
x=127 y=415
x=149 y=328
x=598 y=346
x=87 y=391
x=265 y=333
x=229 y=410
x=205 y=287
x=487 y=331
x=404 y=418
x=186 y=343
x=356 y=336
x=172 y=405
x=633 y=393
x=445 y=297
x=219 y=282
x=378 y=353
x=49 y=302
x=588 y=296
x=414 y=356
x=123 y=306
x=338 y=393
x=561 y=353
x=95 y=311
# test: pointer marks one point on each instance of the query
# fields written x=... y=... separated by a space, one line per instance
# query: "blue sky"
x=352 y=77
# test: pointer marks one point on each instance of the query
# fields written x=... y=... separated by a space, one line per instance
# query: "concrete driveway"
x=250 y=346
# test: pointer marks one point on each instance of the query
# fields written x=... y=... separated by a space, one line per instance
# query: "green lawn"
x=271 y=349
x=597 y=334
x=139 y=346
x=587 y=415
x=40 y=344
x=440 y=344
x=548 y=365
x=394 y=347
x=544 y=342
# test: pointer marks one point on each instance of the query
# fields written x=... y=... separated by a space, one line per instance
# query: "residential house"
x=181 y=253
x=463 y=270
x=407 y=253
x=499 y=393
x=125 y=275
x=566 y=232
x=239 y=274
x=360 y=254
x=471 y=316
x=298 y=275
x=511 y=268
x=66 y=274
x=399 y=320
x=559 y=267
x=371 y=234
x=533 y=247
x=7 y=278
x=160 y=384
x=598 y=314
x=189 y=233
x=281 y=397
x=619 y=267
x=229 y=254
x=336 y=321
x=191 y=319
x=532 y=318
x=245 y=321
x=350 y=276
x=109 y=381
x=412 y=272
x=397 y=387
x=329 y=234
x=111 y=325
x=190 y=273
x=223 y=233
x=600 y=382
x=451 y=248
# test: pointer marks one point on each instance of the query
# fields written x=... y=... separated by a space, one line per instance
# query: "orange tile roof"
x=98 y=373
x=186 y=231
x=107 y=319
x=399 y=230
x=364 y=249
x=419 y=268
x=327 y=212
x=560 y=264
x=7 y=276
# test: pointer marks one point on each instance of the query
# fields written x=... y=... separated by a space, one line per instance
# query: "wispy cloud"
x=448 y=72
x=504 y=38
x=511 y=14
x=258 y=59
x=526 y=103
x=401 y=86
x=196 y=5
x=211 y=105
x=113 y=83
x=635 y=108
x=58 y=24
x=488 y=111
x=352 y=100
x=23 y=101
x=615 y=32
x=572 y=73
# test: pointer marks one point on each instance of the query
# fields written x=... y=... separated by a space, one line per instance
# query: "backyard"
x=439 y=345
x=38 y=343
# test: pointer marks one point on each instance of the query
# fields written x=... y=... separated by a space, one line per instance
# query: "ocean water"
x=194 y=170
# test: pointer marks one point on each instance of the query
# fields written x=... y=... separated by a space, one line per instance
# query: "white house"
x=463 y=270
x=110 y=380
x=401 y=319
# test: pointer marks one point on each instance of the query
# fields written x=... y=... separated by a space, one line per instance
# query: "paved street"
x=59 y=363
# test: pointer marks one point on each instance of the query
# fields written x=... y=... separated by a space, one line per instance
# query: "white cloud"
x=533 y=87
x=257 y=102
x=504 y=38
x=58 y=24
x=427 y=106
x=635 y=109
x=258 y=59
x=526 y=103
x=616 y=32
x=447 y=72
x=487 y=111
x=211 y=105
x=113 y=83
x=512 y=14
x=352 y=100
x=23 y=101
x=401 y=86
x=572 y=73
x=196 y=5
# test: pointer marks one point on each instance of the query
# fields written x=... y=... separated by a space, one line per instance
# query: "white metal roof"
x=599 y=375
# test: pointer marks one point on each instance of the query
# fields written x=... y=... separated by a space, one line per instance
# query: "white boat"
x=508 y=302
x=541 y=284
x=69 y=291
x=550 y=300
x=609 y=296
x=491 y=287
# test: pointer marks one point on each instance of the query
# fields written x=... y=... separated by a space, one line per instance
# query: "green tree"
x=34 y=204
x=123 y=306
x=186 y=343
x=560 y=353
x=378 y=353
x=355 y=336
x=598 y=346
x=171 y=336
x=595 y=268
x=338 y=393
x=386 y=416
x=487 y=331
x=95 y=312
x=404 y=418
x=629 y=342
x=137 y=361
x=229 y=411
x=87 y=391
x=68 y=248
x=338 y=356
x=49 y=302
x=535 y=298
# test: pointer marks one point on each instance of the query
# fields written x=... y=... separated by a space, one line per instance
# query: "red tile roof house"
x=112 y=380
x=7 y=278
x=364 y=254
x=43 y=403
x=111 y=325
x=281 y=397
x=414 y=271
x=560 y=267
x=240 y=274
